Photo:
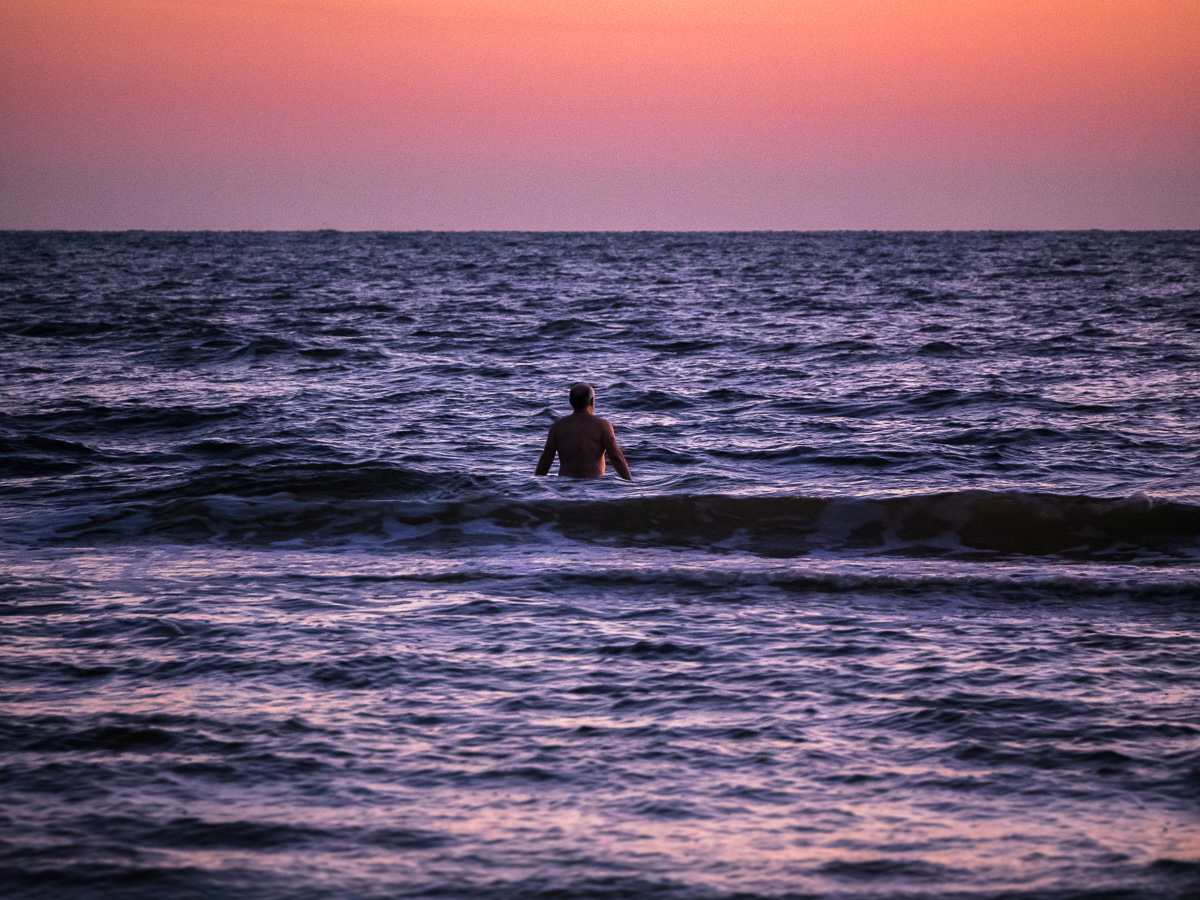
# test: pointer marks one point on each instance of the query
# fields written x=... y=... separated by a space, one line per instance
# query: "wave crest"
x=335 y=507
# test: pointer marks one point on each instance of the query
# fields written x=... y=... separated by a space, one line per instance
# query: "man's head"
x=582 y=395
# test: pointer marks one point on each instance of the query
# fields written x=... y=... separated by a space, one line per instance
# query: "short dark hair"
x=583 y=395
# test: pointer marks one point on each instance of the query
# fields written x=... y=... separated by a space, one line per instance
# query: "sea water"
x=902 y=602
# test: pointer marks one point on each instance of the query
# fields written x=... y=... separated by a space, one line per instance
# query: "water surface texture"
x=902 y=602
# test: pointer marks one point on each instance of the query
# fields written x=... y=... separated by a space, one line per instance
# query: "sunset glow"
x=599 y=114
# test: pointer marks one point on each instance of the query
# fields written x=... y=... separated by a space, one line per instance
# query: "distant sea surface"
x=903 y=600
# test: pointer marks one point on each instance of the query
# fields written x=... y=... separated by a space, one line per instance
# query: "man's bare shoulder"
x=575 y=422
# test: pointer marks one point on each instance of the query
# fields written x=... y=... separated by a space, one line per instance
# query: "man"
x=581 y=440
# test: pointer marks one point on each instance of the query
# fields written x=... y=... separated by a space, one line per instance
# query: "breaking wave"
x=337 y=504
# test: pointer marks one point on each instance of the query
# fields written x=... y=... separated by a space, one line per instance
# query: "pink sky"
x=604 y=114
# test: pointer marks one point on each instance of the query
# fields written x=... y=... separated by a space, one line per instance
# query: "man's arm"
x=615 y=456
x=543 y=466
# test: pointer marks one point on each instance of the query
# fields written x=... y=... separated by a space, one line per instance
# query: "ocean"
x=902 y=601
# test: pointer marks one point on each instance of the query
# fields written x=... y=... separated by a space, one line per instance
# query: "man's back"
x=579 y=440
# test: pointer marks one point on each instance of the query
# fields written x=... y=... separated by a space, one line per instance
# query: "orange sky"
x=600 y=113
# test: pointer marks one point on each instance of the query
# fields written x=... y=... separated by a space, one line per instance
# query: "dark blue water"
x=903 y=600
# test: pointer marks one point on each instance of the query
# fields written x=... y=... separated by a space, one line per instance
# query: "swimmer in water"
x=581 y=440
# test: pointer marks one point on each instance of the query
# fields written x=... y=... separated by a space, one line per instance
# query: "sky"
x=599 y=114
